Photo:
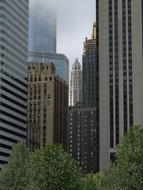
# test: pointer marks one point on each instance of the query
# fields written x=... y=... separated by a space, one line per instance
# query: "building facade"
x=60 y=61
x=13 y=73
x=76 y=84
x=82 y=137
x=120 y=69
x=83 y=132
x=47 y=106
x=89 y=70
x=42 y=27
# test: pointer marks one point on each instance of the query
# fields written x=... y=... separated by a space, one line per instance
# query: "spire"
x=76 y=65
x=94 y=31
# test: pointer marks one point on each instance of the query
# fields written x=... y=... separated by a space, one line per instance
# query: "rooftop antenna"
x=43 y=57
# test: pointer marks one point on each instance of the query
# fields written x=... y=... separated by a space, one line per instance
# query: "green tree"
x=127 y=172
x=12 y=176
x=52 y=169
x=92 y=181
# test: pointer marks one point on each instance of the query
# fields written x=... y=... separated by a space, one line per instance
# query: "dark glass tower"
x=13 y=73
x=43 y=37
x=83 y=133
x=42 y=27
x=89 y=70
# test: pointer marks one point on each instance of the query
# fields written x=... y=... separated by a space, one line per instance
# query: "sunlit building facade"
x=47 y=106
x=120 y=72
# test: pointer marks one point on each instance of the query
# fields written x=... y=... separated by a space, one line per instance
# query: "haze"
x=74 y=23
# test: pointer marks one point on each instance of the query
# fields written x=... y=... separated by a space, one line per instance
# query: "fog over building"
x=42 y=28
x=43 y=37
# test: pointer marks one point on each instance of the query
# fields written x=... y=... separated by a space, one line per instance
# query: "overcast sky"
x=75 y=18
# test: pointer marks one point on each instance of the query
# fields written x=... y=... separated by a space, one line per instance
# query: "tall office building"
x=42 y=27
x=47 y=106
x=83 y=133
x=60 y=61
x=120 y=68
x=43 y=37
x=13 y=73
x=76 y=84
x=82 y=137
x=89 y=70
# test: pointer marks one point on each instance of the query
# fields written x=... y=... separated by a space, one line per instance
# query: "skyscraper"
x=43 y=37
x=47 y=106
x=89 y=70
x=76 y=84
x=83 y=133
x=82 y=137
x=120 y=69
x=13 y=73
x=42 y=27
x=60 y=61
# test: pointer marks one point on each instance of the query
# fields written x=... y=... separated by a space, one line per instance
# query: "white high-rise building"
x=13 y=74
x=120 y=69
x=76 y=84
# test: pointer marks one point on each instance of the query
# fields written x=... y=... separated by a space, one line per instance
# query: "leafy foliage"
x=127 y=172
x=50 y=168
x=53 y=169
x=12 y=176
x=92 y=181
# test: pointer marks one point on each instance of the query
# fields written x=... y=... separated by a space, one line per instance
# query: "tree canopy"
x=92 y=181
x=51 y=168
x=127 y=172
x=12 y=177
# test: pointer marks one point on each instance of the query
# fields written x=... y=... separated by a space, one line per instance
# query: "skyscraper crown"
x=76 y=65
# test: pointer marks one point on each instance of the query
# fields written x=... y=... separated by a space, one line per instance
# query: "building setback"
x=82 y=137
x=76 y=84
x=13 y=74
x=120 y=69
x=47 y=106
x=60 y=61
x=89 y=70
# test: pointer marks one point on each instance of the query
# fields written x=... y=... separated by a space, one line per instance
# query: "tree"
x=92 y=181
x=12 y=176
x=52 y=169
x=127 y=172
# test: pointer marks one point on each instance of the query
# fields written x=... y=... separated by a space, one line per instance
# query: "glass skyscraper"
x=89 y=70
x=60 y=61
x=13 y=73
x=42 y=37
x=42 y=28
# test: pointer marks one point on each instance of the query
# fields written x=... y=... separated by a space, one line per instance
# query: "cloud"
x=74 y=17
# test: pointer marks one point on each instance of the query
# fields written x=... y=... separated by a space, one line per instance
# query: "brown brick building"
x=47 y=106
